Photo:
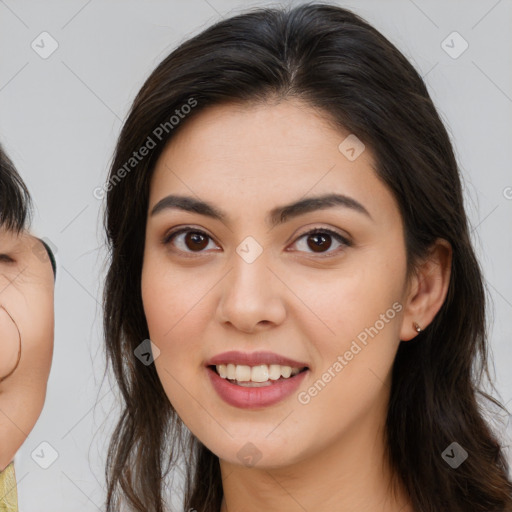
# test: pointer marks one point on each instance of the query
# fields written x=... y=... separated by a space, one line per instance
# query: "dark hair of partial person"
x=15 y=202
x=339 y=65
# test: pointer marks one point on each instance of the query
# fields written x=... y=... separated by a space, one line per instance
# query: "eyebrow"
x=278 y=215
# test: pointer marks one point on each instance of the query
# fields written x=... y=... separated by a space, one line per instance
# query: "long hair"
x=338 y=64
x=15 y=201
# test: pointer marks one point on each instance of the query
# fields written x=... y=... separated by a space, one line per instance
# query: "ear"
x=427 y=289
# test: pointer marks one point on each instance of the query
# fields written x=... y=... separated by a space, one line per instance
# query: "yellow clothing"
x=8 y=492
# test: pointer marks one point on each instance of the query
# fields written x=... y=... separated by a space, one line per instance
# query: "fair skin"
x=26 y=294
x=327 y=454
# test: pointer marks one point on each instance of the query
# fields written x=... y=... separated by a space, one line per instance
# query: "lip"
x=253 y=359
x=255 y=398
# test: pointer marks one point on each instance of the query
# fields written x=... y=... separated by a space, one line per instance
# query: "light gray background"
x=59 y=121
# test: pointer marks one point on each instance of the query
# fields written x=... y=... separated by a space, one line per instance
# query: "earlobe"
x=417 y=327
x=429 y=290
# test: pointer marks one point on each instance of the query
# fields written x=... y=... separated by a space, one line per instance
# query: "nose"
x=252 y=297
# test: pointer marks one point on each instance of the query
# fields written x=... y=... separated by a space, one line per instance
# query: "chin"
x=258 y=453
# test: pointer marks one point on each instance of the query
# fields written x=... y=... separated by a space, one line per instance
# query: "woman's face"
x=26 y=312
x=255 y=281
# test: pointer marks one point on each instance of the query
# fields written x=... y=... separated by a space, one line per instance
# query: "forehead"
x=283 y=134
x=11 y=236
x=265 y=154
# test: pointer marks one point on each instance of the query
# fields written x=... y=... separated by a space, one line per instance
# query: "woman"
x=27 y=272
x=286 y=225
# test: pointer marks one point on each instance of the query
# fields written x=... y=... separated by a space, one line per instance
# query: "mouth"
x=261 y=375
x=245 y=393
x=254 y=380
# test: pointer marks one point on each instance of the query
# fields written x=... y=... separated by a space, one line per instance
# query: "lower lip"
x=253 y=398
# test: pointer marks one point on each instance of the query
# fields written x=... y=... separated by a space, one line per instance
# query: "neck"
x=352 y=473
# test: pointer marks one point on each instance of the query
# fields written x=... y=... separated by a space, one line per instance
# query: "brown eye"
x=188 y=240
x=196 y=241
x=320 y=240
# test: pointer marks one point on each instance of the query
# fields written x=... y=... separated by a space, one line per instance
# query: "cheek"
x=37 y=333
x=174 y=305
x=353 y=326
x=176 y=317
x=334 y=309
x=32 y=309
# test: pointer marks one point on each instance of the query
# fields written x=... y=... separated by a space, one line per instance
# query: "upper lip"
x=253 y=359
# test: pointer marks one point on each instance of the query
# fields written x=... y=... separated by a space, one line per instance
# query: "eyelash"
x=339 y=238
x=6 y=259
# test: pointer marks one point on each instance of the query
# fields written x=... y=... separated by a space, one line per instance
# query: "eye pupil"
x=319 y=239
x=199 y=240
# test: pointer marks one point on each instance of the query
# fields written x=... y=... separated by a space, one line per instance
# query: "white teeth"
x=286 y=371
x=274 y=371
x=222 y=370
x=243 y=373
x=231 y=371
x=258 y=374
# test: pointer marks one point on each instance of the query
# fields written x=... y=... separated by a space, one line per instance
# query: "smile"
x=246 y=394
x=255 y=376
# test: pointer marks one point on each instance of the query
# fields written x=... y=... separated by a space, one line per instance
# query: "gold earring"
x=417 y=327
x=19 y=345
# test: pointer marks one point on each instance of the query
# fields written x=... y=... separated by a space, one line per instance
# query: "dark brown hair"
x=334 y=61
x=15 y=202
